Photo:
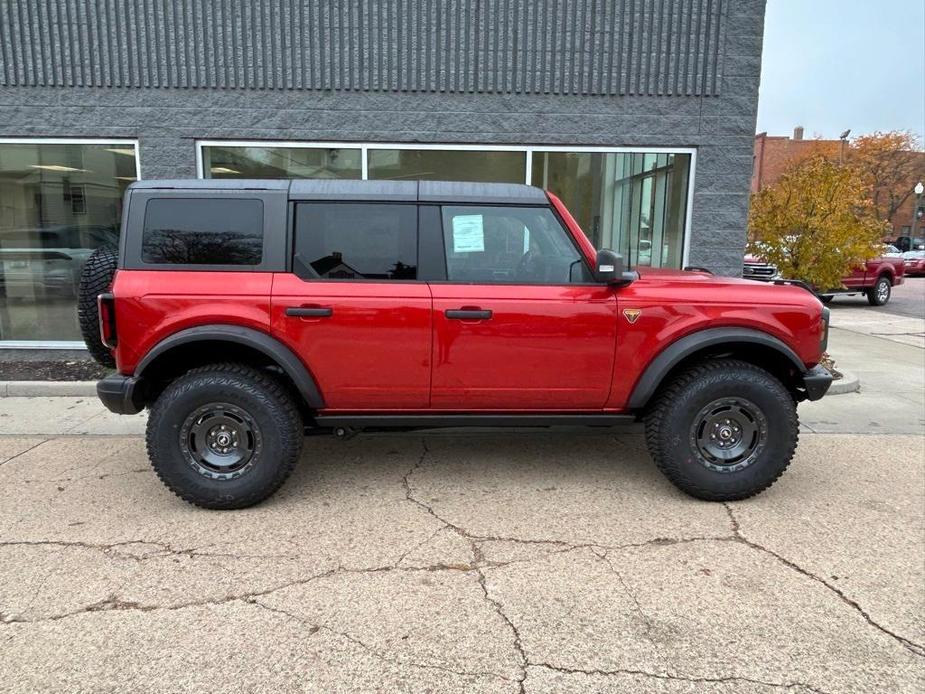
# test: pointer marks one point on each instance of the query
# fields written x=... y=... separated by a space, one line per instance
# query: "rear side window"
x=203 y=231
x=524 y=245
x=356 y=241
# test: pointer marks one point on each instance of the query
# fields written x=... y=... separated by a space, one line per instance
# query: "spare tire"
x=95 y=279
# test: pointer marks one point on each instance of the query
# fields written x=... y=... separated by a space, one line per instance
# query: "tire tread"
x=654 y=425
x=260 y=385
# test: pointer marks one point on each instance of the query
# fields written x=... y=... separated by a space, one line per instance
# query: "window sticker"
x=468 y=233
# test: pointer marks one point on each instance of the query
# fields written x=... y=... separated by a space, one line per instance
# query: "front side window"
x=526 y=245
x=356 y=241
x=203 y=231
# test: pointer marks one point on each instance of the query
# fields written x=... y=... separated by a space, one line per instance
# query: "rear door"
x=353 y=307
x=518 y=323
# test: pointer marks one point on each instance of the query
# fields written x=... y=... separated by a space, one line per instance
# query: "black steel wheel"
x=728 y=434
x=224 y=436
x=220 y=440
x=722 y=430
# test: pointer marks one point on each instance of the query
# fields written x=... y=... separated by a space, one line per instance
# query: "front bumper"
x=816 y=381
x=121 y=394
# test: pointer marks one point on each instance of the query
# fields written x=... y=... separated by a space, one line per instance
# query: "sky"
x=830 y=65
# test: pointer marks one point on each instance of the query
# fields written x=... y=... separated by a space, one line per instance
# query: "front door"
x=518 y=324
x=353 y=309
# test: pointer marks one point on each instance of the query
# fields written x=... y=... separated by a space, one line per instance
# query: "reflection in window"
x=205 y=231
x=280 y=162
x=447 y=165
x=633 y=202
x=509 y=245
x=58 y=202
x=356 y=241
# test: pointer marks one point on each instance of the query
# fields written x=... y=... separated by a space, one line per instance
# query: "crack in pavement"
x=908 y=644
x=21 y=453
x=162 y=549
x=639 y=610
x=676 y=677
x=477 y=558
x=315 y=628
x=736 y=536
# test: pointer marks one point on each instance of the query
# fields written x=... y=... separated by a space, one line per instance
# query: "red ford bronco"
x=245 y=314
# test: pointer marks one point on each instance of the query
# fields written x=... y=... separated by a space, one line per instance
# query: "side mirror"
x=609 y=268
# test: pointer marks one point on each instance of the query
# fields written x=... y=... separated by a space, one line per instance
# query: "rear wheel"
x=723 y=430
x=224 y=436
x=879 y=294
x=95 y=279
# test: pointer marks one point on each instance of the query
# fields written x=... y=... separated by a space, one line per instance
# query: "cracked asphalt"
x=479 y=561
x=494 y=562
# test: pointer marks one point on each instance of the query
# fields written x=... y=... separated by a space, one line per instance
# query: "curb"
x=848 y=383
x=47 y=389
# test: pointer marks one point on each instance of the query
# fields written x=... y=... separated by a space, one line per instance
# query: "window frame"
x=273 y=258
x=529 y=150
x=115 y=142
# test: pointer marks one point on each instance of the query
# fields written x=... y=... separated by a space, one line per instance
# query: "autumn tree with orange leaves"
x=890 y=164
x=816 y=222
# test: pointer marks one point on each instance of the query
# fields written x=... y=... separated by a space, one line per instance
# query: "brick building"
x=639 y=114
x=773 y=154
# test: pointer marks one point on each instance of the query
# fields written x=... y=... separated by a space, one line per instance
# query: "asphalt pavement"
x=505 y=561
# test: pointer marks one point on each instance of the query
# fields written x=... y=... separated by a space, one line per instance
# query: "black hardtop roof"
x=339 y=189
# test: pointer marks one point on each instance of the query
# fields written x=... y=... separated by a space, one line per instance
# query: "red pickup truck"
x=875 y=279
x=247 y=313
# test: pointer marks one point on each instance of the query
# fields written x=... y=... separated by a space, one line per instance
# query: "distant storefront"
x=639 y=115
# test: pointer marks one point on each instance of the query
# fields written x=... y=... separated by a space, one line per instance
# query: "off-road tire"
x=256 y=393
x=879 y=294
x=95 y=279
x=670 y=428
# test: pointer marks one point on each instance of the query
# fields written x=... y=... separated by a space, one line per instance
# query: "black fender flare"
x=291 y=365
x=678 y=350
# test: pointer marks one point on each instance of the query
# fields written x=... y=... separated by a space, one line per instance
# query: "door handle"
x=309 y=311
x=467 y=314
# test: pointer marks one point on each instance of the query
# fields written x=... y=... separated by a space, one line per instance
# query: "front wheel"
x=224 y=436
x=879 y=294
x=723 y=430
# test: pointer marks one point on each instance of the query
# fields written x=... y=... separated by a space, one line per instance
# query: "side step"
x=469 y=420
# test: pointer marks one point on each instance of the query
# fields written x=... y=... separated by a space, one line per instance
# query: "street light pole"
x=918 y=190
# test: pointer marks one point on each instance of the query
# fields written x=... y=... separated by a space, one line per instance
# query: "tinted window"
x=356 y=241
x=509 y=244
x=203 y=231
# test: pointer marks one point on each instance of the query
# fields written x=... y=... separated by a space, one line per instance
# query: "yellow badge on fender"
x=632 y=314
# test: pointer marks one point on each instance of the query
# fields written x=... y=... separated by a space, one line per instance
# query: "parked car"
x=891 y=251
x=245 y=313
x=49 y=259
x=908 y=243
x=914 y=263
x=875 y=279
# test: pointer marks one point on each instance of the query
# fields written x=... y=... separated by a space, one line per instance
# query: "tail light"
x=106 y=304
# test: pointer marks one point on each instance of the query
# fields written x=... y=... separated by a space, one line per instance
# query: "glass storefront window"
x=447 y=165
x=633 y=202
x=58 y=202
x=280 y=162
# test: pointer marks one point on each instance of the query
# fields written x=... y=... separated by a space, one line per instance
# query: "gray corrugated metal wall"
x=593 y=47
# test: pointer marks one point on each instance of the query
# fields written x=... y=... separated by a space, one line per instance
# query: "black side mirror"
x=609 y=268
